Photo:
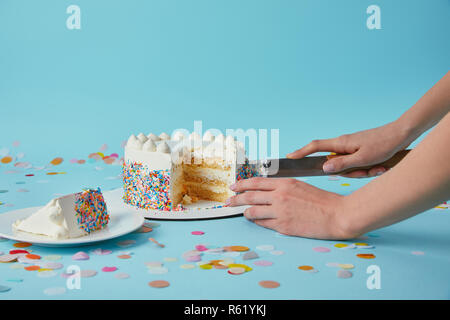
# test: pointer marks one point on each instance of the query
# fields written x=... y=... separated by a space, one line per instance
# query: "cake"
x=70 y=216
x=165 y=173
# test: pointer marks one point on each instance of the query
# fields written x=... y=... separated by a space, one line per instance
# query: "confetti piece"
x=345 y=184
x=238 y=265
x=344 y=274
x=6 y=160
x=109 y=269
x=81 y=255
x=52 y=265
x=88 y=273
x=126 y=243
x=23 y=190
x=341 y=245
x=124 y=256
x=193 y=258
x=22 y=245
x=265 y=247
x=263 y=263
x=7 y=258
x=306 y=268
x=232 y=254
x=236 y=248
x=366 y=255
x=33 y=257
x=56 y=161
x=206 y=266
x=156 y=242
x=200 y=247
x=144 y=229
x=197 y=233
x=269 y=284
x=346 y=266
x=159 y=284
x=16 y=266
x=418 y=253
x=101 y=252
x=321 y=249
x=54 y=291
x=32 y=268
x=158 y=270
x=122 y=275
x=18 y=251
x=250 y=255
x=236 y=270
x=187 y=266
x=4 y=288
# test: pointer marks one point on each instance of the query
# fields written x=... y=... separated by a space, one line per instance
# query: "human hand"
x=363 y=148
x=292 y=207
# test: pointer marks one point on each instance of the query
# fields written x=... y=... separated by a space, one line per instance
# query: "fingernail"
x=379 y=173
x=233 y=186
x=328 y=167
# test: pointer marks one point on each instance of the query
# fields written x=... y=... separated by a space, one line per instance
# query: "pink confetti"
x=101 y=252
x=114 y=155
x=73 y=160
x=109 y=269
x=263 y=263
x=16 y=143
x=195 y=258
x=200 y=247
x=197 y=233
x=321 y=249
x=80 y=256
x=104 y=147
x=418 y=253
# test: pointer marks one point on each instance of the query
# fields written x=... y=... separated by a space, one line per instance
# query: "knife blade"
x=312 y=166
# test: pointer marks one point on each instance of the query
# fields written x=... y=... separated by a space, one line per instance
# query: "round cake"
x=163 y=172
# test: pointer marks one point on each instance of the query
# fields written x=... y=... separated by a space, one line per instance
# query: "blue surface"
x=308 y=68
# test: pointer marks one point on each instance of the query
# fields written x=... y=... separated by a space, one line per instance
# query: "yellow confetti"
x=341 y=245
x=205 y=266
x=345 y=184
x=238 y=265
x=346 y=266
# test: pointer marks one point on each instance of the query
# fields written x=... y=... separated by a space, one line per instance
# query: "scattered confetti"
x=250 y=255
x=4 y=288
x=81 y=255
x=277 y=252
x=170 y=259
x=21 y=244
x=345 y=184
x=266 y=247
x=306 y=268
x=33 y=256
x=346 y=266
x=88 y=273
x=236 y=270
x=159 y=284
x=144 y=229
x=269 y=284
x=32 y=268
x=46 y=274
x=7 y=258
x=156 y=242
x=52 y=257
x=101 y=252
x=197 y=233
x=344 y=274
x=321 y=249
x=109 y=269
x=124 y=256
x=263 y=263
x=56 y=161
x=366 y=255
x=153 y=264
x=418 y=253
x=158 y=270
x=187 y=266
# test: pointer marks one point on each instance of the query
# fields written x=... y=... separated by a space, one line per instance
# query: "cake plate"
x=123 y=221
x=195 y=211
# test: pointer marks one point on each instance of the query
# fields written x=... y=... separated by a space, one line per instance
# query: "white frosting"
x=220 y=139
x=56 y=220
x=153 y=136
x=164 y=136
x=142 y=137
x=163 y=147
x=208 y=136
x=178 y=136
x=149 y=146
x=229 y=142
x=134 y=142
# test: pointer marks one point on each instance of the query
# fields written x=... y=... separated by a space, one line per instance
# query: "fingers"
x=340 y=163
x=266 y=223
x=376 y=171
x=249 y=198
x=259 y=212
x=315 y=146
x=257 y=183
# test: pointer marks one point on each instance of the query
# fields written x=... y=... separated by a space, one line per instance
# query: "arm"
x=419 y=182
x=376 y=145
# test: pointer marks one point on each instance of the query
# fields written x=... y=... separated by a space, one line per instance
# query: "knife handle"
x=388 y=164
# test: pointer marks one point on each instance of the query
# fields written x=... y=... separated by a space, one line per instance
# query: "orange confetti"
x=124 y=256
x=56 y=161
x=305 y=268
x=156 y=242
x=51 y=173
x=236 y=248
x=6 y=159
x=108 y=160
x=22 y=244
x=81 y=161
x=32 y=268
x=366 y=255
x=33 y=256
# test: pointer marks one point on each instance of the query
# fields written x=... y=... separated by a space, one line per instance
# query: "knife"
x=312 y=166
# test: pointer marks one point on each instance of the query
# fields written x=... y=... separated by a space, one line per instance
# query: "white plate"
x=123 y=221
x=198 y=210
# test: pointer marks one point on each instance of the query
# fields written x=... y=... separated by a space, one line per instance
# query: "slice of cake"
x=70 y=216
x=161 y=173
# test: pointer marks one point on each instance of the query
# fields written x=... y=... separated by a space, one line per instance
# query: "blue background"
x=311 y=69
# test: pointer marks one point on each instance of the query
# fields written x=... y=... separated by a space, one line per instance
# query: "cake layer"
x=207 y=192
